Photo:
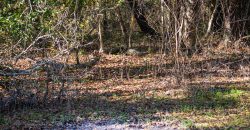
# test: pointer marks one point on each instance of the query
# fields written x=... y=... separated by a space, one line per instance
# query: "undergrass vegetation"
x=198 y=107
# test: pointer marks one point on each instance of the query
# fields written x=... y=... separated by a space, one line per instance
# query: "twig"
x=32 y=44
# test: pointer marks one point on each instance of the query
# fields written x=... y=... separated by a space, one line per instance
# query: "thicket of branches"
x=37 y=25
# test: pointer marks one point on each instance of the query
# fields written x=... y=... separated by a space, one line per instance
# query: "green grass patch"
x=187 y=123
x=211 y=98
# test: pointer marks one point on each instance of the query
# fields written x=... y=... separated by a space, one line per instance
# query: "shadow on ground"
x=198 y=98
x=202 y=68
x=140 y=106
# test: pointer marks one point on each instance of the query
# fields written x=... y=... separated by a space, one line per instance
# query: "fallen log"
x=51 y=66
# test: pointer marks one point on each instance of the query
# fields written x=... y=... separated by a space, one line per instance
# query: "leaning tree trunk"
x=216 y=5
x=141 y=19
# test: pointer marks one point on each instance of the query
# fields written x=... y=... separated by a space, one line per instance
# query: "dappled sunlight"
x=124 y=64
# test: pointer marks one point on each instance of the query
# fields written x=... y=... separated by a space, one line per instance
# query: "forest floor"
x=132 y=92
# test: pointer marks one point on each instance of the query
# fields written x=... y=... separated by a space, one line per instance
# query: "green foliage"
x=120 y=2
x=20 y=23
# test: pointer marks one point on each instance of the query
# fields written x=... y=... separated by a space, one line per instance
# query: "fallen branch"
x=32 y=44
x=47 y=64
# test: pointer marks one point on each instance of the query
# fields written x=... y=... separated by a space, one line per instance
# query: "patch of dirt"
x=114 y=124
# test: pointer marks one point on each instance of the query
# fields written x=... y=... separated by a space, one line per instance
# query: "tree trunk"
x=210 y=23
x=232 y=17
x=141 y=19
x=191 y=21
x=105 y=19
x=226 y=8
x=123 y=28
x=100 y=31
x=163 y=49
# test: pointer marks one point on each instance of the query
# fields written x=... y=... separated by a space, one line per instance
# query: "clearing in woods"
x=139 y=92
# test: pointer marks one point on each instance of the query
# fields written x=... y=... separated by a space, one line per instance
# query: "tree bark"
x=163 y=49
x=141 y=19
x=210 y=23
x=100 y=32
x=226 y=8
x=191 y=21
x=123 y=28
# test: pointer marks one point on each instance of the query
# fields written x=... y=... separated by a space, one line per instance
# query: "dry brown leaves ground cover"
x=210 y=92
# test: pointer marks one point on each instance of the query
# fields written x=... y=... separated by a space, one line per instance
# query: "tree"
x=141 y=19
x=191 y=24
x=231 y=16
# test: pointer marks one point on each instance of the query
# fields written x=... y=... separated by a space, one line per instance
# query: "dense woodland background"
x=185 y=61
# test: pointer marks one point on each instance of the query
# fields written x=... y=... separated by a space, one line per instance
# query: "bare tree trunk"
x=226 y=8
x=104 y=19
x=163 y=49
x=227 y=30
x=131 y=25
x=76 y=15
x=100 y=31
x=210 y=23
x=45 y=97
x=77 y=56
x=61 y=91
x=123 y=28
x=191 y=22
